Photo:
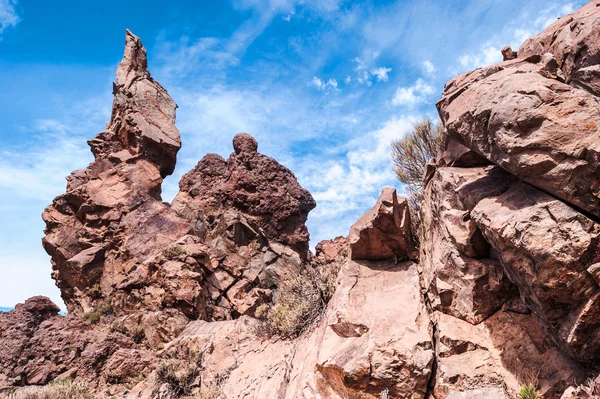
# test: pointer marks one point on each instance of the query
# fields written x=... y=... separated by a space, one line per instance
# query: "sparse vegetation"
x=179 y=377
x=95 y=291
x=174 y=251
x=410 y=156
x=92 y=317
x=528 y=391
x=298 y=304
x=106 y=309
x=59 y=389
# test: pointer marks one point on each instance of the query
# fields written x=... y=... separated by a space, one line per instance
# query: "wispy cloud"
x=428 y=68
x=8 y=15
x=413 y=95
x=381 y=73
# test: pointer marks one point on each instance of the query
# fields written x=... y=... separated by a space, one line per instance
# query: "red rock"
x=384 y=231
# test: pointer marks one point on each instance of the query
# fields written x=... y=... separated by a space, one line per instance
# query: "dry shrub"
x=410 y=156
x=174 y=251
x=59 y=389
x=299 y=303
x=92 y=317
x=179 y=377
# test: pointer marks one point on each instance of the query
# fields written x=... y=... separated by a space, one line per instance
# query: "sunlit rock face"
x=504 y=289
x=234 y=233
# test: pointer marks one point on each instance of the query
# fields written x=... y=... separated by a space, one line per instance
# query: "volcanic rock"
x=254 y=186
x=384 y=231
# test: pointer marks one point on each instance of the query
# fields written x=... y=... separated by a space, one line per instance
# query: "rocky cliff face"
x=166 y=300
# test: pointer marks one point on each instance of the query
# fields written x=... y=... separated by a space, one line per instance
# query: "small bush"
x=298 y=304
x=178 y=376
x=95 y=291
x=92 y=317
x=528 y=391
x=59 y=389
x=106 y=309
x=410 y=156
x=174 y=251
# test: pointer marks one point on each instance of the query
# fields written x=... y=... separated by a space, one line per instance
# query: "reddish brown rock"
x=547 y=134
x=384 y=231
x=462 y=276
x=234 y=233
x=38 y=346
x=574 y=40
x=547 y=248
x=265 y=192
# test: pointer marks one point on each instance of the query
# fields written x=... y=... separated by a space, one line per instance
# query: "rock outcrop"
x=544 y=234
x=383 y=232
x=165 y=300
x=234 y=233
x=39 y=346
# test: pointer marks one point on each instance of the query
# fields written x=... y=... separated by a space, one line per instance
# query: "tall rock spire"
x=143 y=115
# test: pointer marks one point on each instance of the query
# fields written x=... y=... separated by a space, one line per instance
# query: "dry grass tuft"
x=59 y=389
x=298 y=304
x=174 y=251
x=179 y=377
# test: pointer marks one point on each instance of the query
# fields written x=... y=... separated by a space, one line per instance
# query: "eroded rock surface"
x=384 y=231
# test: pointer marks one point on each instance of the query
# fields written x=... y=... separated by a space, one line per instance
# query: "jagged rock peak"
x=134 y=63
x=256 y=186
x=143 y=115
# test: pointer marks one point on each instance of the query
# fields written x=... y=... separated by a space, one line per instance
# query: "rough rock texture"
x=462 y=274
x=530 y=116
x=545 y=135
x=234 y=232
x=354 y=352
x=384 y=231
x=38 y=346
x=252 y=185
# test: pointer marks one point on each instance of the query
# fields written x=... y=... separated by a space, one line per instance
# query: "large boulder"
x=384 y=231
x=546 y=134
x=259 y=189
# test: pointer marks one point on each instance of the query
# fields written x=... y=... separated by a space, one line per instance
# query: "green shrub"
x=58 y=389
x=528 y=391
x=92 y=317
x=298 y=304
x=174 y=251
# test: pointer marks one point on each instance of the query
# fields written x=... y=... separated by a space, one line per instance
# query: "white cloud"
x=322 y=85
x=381 y=73
x=8 y=15
x=364 y=74
x=38 y=172
x=413 y=95
x=428 y=67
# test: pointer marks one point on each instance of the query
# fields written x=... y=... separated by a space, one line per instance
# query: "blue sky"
x=324 y=86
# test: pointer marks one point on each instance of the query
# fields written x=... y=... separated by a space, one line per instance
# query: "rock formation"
x=167 y=300
x=235 y=231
